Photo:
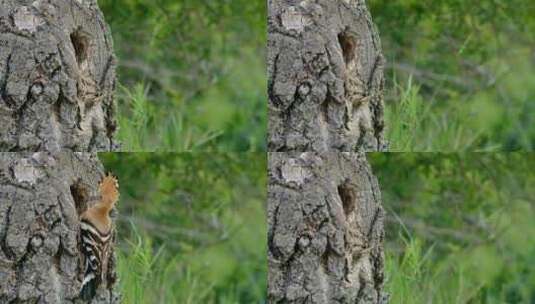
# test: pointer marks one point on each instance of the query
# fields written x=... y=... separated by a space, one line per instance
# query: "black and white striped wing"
x=95 y=247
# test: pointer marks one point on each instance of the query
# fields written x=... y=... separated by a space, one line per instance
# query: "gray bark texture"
x=325 y=69
x=57 y=76
x=41 y=198
x=325 y=229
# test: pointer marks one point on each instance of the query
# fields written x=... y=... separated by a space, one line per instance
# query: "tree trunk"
x=57 y=76
x=41 y=198
x=325 y=229
x=325 y=82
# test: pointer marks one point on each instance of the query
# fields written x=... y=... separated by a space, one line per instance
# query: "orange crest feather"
x=109 y=190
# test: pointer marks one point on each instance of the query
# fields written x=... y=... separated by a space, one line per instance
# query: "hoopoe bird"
x=96 y=234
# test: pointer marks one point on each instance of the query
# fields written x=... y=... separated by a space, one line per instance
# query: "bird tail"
x=89 y=287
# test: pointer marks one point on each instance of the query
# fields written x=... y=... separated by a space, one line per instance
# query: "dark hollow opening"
x=348 y=45
x=80 y=43
x=80 y=195
x=347 y=196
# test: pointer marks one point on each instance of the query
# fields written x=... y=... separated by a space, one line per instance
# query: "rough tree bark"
x=325 y=70
x=41 y=198
x=57 y=76
x=325 y=237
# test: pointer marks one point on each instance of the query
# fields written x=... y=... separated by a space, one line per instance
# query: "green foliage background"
x=460 y=74
x=460 y=227
x=191 y=73
x=191 y=226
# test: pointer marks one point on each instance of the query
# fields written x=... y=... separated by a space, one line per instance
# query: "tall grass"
x=416 y=125
x=460 y=227
x=149 y=275
x=478 y=274
x=493 y=117
x=191 y=227
x=152 y=276
x=227 y=115
x=145 y=125
x=193 y=74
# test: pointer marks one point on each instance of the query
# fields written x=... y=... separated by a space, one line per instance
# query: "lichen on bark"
x=57 y=77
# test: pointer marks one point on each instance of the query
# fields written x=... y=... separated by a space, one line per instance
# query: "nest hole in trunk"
x=347 y=195
x=348 y=45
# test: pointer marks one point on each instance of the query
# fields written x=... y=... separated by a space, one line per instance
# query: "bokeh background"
x=460 y=73
x=191 y=227
x=460 y=227
x=192 y=74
